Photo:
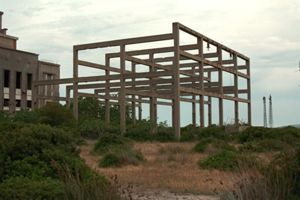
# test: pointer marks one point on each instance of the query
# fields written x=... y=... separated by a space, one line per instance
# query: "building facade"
x=18 y=70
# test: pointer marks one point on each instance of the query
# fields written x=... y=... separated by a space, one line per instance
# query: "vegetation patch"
x=111 y=142
x=117 y=151
x=224 y=160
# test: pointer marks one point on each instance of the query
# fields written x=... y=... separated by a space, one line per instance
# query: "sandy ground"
x=170 y=171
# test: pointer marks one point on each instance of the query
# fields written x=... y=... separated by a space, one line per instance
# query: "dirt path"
x=147 y=181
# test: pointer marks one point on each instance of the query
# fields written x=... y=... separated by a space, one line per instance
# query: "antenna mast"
x=265 y=112
x=270 y=112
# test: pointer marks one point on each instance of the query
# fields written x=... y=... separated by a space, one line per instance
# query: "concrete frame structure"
x=18 y=71
x=185 y=76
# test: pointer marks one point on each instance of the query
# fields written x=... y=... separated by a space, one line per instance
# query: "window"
x=29 y=104
x=18 y=103
x=29 y=81
x=6 y=78
x=6 y=102
x=18 y=80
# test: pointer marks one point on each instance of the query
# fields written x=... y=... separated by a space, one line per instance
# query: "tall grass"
x=276 y=181
x=78 y=187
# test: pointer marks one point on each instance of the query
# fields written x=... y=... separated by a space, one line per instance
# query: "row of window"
x=18 y=79
x=18 y=103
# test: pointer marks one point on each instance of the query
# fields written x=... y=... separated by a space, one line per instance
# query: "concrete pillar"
x=133 y=103
x=122 y=91
x=107 y=103
x=1 y=89
x=12 y=91
x=176 y=83
x=153 y=100
x=209 y=112
x=68 y=94
x=220 y=76
x=75 y=83
x=24 y=90
x=194 y=111
x=249 y=93
x=201 y=81
x=236 y=88
x=140 y=110
x=193 y=103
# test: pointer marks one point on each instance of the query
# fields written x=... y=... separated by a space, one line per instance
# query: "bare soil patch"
x=170 y=171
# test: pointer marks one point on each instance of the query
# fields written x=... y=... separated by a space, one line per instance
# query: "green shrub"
x=91 y=129
x=140 y=131
x=110 y=160
x=55 y=114
x=164 y=133
x=219 y=145
x=265 y=145
x=213 y=131
x=224 y=160
x=201 y=146
x=189 y=133
x=26 y=116
x=27 y=188
x=108 y=142
x=120 y=158
x=85 y=184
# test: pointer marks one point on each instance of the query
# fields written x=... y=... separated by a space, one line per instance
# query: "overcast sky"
x=267 y=31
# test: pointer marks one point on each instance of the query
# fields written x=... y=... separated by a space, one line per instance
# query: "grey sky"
x=265 y=30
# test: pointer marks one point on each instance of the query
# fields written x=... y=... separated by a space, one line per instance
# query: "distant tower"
x=270 y=112
x=265 y=112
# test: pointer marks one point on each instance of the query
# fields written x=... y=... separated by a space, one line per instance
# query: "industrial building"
x=18 y=70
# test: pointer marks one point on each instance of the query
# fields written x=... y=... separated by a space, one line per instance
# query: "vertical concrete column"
x=107 y=102
x=1 y=89
x=12 y=91
x=249 y=93
x=194 y=102
x=133 y=104
x=68 y=94
x=209 y=112
x=24 y=90
x=122 y=91
x=201 y=81
x=140 y=111
x=236 y=89
x=176 y=83
x=153 y=100
x=36 y=89
x=220 y=76
x=75 y=83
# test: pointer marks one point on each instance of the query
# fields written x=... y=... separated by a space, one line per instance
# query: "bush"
x=164 y=133
x=55 y=114
x=201 y=146
x=26 y=116
x=120 y=158
x=224 y=160
x=264 y=145
x=274 y=181
x=109 y=142
x=27 y=188
x=217 y=144
x=140 y=131
x=91 y=129
x=213 y=131
x=189 y=133
x=110 y=160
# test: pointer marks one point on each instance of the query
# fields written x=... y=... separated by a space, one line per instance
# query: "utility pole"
x=270 y=112
x=265 y=112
